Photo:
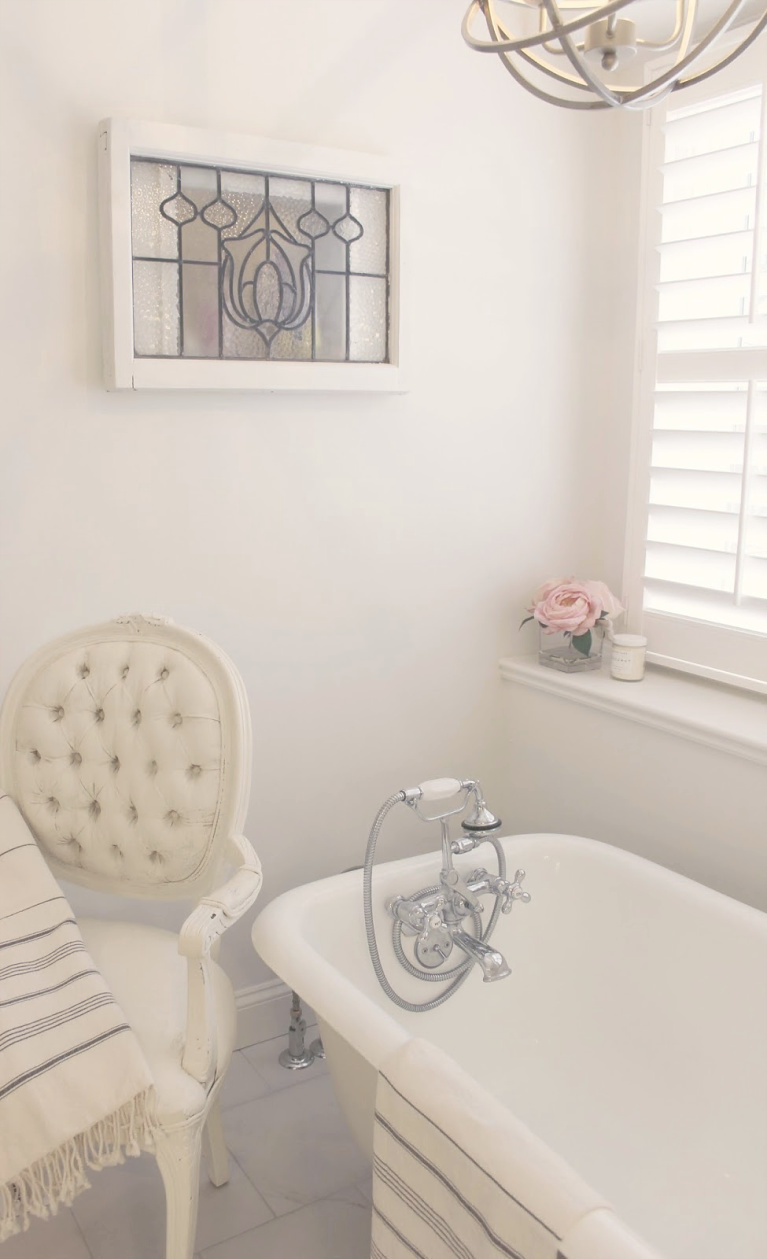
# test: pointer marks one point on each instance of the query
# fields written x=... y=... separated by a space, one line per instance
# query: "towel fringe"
x=56 y=1179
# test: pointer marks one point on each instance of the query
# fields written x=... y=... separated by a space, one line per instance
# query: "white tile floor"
x=298 y=1185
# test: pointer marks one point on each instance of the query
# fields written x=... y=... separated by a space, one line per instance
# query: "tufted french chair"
x=127 y=748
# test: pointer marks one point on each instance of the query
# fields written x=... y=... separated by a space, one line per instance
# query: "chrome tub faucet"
x=436 y=917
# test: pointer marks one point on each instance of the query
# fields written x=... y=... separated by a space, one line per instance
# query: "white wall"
x=365 y=560
x=694 y=808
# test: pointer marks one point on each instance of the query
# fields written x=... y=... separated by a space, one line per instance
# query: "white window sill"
x=721 y=717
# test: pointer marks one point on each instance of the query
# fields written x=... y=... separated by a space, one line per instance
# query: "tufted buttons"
x=120 y=743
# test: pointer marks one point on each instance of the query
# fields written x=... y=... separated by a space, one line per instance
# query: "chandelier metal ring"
x=603 y=40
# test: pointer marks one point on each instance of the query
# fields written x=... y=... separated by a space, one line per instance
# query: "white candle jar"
x=627 y=662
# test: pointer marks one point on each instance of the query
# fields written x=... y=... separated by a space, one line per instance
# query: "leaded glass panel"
x=247 y=265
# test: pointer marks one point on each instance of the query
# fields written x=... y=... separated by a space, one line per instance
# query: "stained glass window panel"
x=330 y=317
x=199 y=237
x=369 y=254
x=258 y=266
x=199 y=289
x=156 y=322
x=153 y=236
x=330 y=206
x=367 y=319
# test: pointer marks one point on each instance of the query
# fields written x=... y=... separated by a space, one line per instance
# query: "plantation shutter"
x=705 y=547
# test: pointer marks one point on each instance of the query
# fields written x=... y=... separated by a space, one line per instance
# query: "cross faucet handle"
x=511 y=892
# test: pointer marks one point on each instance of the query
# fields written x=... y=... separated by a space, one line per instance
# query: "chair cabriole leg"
x=214 y=1146
x=178 y=1157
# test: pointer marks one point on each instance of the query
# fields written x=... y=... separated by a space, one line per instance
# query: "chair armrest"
x=211 y=917
x=207 y=922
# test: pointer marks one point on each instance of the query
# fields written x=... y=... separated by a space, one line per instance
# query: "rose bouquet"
x=570 y=607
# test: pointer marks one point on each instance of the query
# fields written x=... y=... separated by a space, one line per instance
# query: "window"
x=698 y=549
x=246 y=264
x=237 y=262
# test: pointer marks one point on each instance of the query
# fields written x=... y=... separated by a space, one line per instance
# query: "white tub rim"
x=370 y=1030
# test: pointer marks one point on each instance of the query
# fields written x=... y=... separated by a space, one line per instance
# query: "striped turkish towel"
x=456 y=1176
x=75 y=1089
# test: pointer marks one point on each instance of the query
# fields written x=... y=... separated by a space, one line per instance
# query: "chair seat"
x=148 y=977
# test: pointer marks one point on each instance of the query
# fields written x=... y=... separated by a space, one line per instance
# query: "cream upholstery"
x=127 y=748
x=118 y=761
x=134 y=959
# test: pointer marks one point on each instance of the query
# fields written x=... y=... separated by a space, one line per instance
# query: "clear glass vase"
x=557 y=651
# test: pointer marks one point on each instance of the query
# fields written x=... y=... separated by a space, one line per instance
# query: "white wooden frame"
x=118 y=140
x=724 y=654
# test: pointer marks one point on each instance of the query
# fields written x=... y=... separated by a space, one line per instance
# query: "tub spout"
x=492 y=963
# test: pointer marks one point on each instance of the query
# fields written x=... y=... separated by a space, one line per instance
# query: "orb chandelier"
x=599 y=56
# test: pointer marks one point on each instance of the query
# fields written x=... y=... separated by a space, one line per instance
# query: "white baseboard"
x=263 y=1012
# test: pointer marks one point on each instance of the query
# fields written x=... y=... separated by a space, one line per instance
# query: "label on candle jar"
x=627 y=663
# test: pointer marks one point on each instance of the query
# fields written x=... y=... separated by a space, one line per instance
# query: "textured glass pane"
x=368 y=205
x=245 y=194
x=155 y=308
x=293 y=345
x=242 y=342
x=264 y=262
x=289 y=199
x=329 y=251
x=153 y=236
x=199 y=239
x=200 y=306
x=367 y=319
x=330 y=304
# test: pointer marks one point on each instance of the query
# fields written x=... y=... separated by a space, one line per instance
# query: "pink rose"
x=610 y=605
x=571 y=606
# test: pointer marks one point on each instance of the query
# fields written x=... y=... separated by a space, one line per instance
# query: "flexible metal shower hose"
x=461 y=972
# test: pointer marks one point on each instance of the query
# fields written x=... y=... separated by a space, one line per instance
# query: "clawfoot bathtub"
x=631 y=1035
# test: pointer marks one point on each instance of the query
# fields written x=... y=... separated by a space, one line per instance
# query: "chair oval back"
x=127 y=747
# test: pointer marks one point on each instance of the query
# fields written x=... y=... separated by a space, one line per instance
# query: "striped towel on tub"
x=75 y=1089
x=456 y=1176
